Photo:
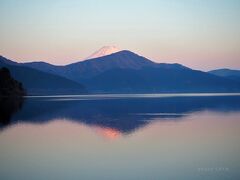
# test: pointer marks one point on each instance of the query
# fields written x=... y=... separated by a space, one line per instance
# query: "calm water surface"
x=121 y=137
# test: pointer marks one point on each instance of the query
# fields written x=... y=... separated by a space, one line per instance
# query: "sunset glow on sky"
x=201 y=34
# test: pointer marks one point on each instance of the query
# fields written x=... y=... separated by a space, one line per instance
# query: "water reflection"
x=9 y=106
x=106 y=132
x=180 y=138
x=114 y=115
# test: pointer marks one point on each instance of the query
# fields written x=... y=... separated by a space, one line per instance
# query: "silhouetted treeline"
x=9 y=86
x=11 y=96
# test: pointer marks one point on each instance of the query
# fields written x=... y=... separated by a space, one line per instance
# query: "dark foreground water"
x=121 y=137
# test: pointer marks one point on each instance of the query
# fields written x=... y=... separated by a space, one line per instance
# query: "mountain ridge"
x=224 y=72
x=227 y=73
x=92 y=67
x=41 y=83
x=127 y=72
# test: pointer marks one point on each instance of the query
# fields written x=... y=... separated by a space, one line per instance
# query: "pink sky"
x=199 y=34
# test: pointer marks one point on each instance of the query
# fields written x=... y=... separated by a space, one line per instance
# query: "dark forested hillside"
x=8 y=85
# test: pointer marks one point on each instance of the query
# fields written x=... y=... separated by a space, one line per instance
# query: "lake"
x=134 y=136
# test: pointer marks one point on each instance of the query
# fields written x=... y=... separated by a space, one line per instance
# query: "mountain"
x=127 y=72
x=40 y=83
x=90 y=68
x=4 y=60
x=227 y=73
x=159 y=80
x=104 y=51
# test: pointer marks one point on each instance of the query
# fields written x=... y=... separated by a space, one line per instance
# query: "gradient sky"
x=202 y=34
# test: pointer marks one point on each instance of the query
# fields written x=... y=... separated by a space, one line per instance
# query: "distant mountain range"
x=227 y=73
x=119 y=72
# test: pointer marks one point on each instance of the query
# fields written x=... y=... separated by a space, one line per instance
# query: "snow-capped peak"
x=105 y=50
